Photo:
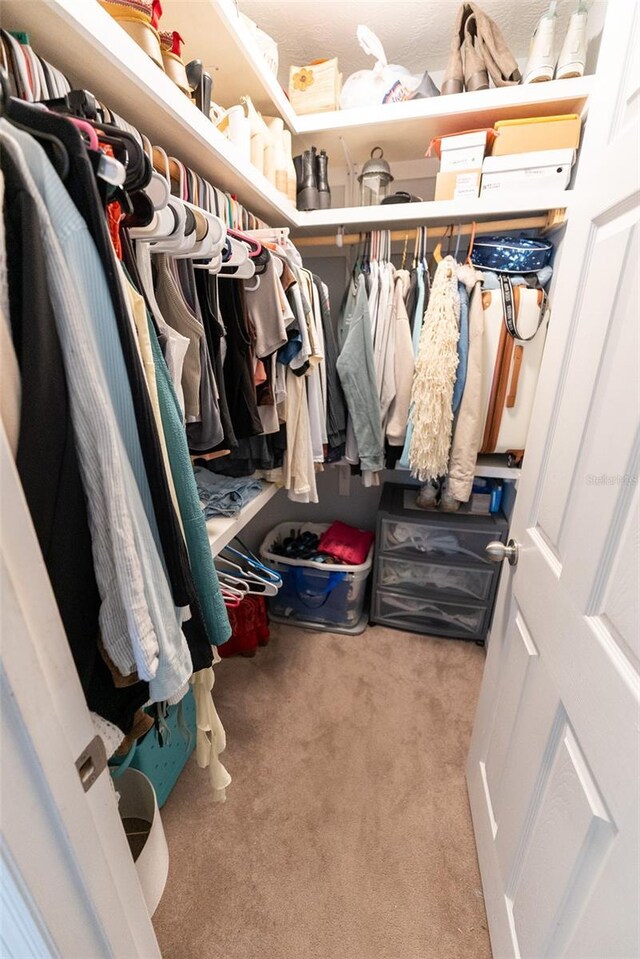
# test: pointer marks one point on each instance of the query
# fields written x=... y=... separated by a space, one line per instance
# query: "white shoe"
x=574 y=49
x=542 y=61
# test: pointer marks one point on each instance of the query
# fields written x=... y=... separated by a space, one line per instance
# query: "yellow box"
x=536 y=133
x=458 y=184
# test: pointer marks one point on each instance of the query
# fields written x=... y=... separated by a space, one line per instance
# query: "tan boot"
x=492 y=47
x=478 y=51
x=453 y=81
x=171 y=49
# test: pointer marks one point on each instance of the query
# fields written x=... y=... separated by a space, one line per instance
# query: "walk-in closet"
x=320 y=411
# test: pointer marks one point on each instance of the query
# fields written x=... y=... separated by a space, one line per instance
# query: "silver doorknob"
x=497 y=551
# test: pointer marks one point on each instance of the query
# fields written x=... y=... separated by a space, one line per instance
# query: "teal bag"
x=162 y=764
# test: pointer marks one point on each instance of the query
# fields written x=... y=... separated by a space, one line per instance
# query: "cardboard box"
x=458 y=184
x=527 y=171
x=463 y=151
x=535 y=134
x=315 y=88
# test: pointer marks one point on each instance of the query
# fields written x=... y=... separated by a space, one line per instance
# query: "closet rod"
x=543 y=222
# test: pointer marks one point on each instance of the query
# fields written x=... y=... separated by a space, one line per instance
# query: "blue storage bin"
x=325 y=595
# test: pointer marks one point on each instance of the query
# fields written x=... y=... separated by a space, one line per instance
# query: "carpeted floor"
x=346 y=833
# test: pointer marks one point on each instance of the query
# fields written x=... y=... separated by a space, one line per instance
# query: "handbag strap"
x=510 y=310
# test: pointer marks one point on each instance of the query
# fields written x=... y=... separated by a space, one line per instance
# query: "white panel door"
x=553 y=770
x=69 y=885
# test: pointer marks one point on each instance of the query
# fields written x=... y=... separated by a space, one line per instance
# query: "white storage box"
x=527 y=171
x=138 y=808
x=463 y=152
x=320 y=595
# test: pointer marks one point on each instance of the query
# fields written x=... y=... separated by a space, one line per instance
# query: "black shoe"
x=306 y=180
x=324 y=191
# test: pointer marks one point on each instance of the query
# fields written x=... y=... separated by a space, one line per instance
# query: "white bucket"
x=138 y=801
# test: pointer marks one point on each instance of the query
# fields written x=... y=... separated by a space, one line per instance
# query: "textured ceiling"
x=414 y=33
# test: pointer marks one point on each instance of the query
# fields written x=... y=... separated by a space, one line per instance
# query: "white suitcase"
x=511 y=365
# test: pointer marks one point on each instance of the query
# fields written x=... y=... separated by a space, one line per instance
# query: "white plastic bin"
x=138 y=802
x=321 y=595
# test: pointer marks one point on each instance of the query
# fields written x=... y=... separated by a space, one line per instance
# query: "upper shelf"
x=214 y=33
x=435 y=212
x=404 y=130
x=82 y=40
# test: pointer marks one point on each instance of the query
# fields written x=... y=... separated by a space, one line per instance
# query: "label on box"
x=466 y=185
x=461 y=159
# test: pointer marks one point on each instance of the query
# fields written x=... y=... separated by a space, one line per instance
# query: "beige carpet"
x=346 y=833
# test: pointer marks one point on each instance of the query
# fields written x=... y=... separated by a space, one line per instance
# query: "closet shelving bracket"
x=555 y=219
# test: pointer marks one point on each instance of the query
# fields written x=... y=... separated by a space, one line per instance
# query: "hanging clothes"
x=398 y=419
x=434 y=379
x=467 y=435
x=93 y=255
x=356 y=369
x=421 y=300
x=137 y=617
x=55 y=495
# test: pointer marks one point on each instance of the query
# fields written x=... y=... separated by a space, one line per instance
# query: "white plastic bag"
x=370 y=87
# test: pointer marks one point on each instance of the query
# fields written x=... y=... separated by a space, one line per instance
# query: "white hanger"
x=257 y=585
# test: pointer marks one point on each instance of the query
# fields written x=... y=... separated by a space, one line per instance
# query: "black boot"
x=324 y=191
x=306 y=180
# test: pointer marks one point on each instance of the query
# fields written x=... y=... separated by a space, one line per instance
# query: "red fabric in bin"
x=346 y=543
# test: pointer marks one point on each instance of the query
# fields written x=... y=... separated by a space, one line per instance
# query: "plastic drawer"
x=454 y=544
x=430 y=616
x=470 y=584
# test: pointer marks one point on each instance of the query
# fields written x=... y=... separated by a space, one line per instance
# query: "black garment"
x=238 y=367
x=46 y=456
x=215 y=333
x=118 y=705
x=336 y=405
x=82 y=189
x=256 y=453
x=195 y=630
x=412 y=296
x=207 y=435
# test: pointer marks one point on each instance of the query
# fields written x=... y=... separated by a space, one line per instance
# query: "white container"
x=319 y=595
x=276 y=129
x=542 y=169
x=463 y=152
x=138 y=801
x=291 y=170
x=239 y=131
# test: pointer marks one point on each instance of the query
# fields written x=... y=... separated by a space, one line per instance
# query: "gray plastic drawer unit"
x=431 y=572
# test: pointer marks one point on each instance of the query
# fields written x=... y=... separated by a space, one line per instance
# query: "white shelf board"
x=404 y=130
x=435 y=212
x=489 y=466
x=222 y=529
x=82 y=40
x=494 y=466
x=214 y=33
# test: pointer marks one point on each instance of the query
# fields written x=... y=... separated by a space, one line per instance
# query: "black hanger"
x=83 y=104
x=17 y=112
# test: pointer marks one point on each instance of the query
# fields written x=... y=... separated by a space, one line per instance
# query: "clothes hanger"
x=17 y=112
x=249 y=557
x=437 y=253
x=458 y=237
x=256 y=584
x=472 y=240
x=255 y=247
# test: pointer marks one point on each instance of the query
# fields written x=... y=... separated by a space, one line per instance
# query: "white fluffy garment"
x=435 y=375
